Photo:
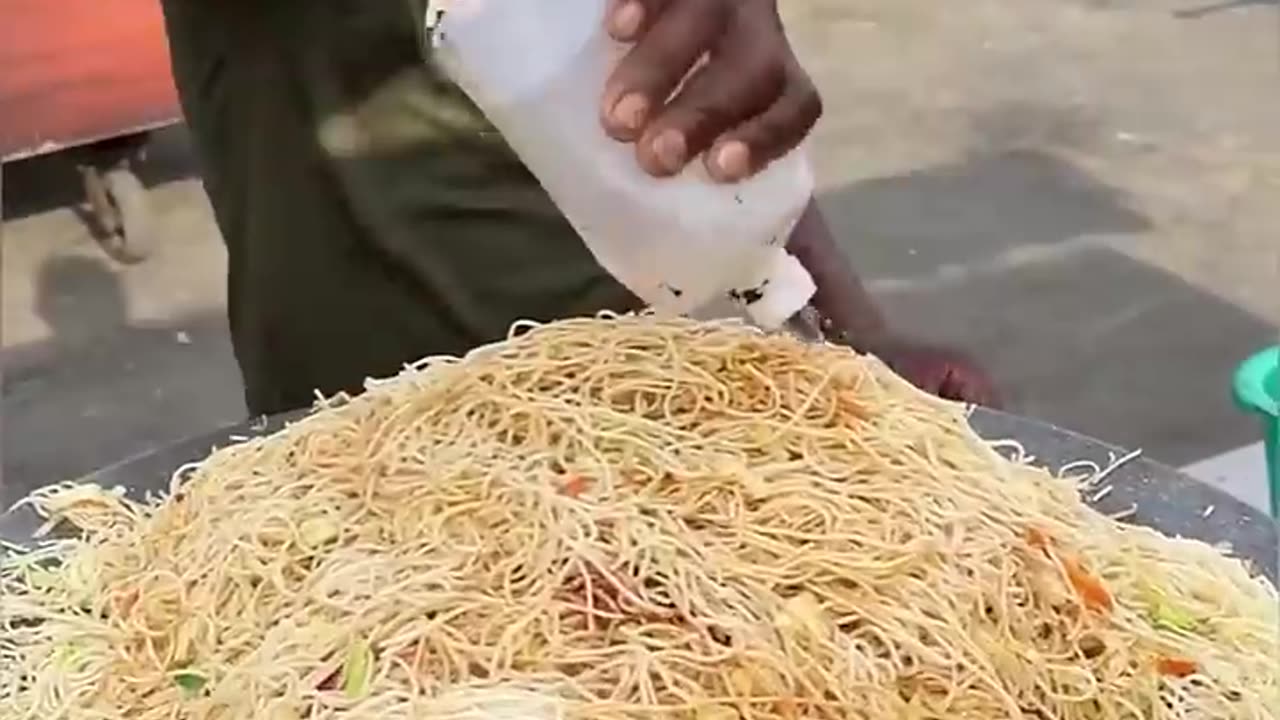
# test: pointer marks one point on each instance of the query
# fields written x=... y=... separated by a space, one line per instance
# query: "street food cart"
x=91 y=78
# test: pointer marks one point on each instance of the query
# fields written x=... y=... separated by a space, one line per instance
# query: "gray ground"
x=1081 y=192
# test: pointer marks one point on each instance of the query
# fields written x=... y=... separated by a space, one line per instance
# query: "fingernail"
x=671 y=151
x=625 y=22
x=630 y=112
x=731 y=161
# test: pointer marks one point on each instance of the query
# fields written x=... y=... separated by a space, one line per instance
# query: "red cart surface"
x=78 y=71
x=91 y=73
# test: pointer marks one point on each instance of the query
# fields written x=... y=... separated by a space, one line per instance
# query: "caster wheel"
x=122 y=210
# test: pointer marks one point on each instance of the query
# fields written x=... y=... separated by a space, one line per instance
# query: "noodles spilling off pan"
x=627 y=518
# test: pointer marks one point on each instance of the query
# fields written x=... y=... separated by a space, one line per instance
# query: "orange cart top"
x=75 y=71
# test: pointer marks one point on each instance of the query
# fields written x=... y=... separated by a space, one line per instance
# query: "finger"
x=969 y=385
x=749 y=148
x=736 y=85
x=627 y=20
x=650 y=73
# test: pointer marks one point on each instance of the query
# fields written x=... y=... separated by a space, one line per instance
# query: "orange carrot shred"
x=575 y=486
x=1177 y=666
x=1038 y=539
x=1087 y=585
x=126 y=601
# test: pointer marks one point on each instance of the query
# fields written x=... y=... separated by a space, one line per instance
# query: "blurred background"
x=1085 y=194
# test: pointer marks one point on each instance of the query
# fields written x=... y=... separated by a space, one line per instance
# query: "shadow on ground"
x=1012 y=256
x=991 y=208
x=117 y=390
x=1202 y=11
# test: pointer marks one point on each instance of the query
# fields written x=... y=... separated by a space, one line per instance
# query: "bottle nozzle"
x=783 y=289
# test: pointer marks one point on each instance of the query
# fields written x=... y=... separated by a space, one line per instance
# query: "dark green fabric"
x=371 y=216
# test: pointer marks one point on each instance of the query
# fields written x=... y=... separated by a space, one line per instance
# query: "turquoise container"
x=1257 y=389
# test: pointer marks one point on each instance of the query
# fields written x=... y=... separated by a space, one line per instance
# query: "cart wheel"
x=120 y=205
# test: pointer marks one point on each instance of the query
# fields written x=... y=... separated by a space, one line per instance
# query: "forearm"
x=849 y=313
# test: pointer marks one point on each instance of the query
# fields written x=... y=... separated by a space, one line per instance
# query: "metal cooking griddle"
x=1159 y=497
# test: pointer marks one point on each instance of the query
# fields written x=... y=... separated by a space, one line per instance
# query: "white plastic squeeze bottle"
x=537 y=69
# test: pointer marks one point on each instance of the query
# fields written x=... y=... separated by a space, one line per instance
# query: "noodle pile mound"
x=627 y=518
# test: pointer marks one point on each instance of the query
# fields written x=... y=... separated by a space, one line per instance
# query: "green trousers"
x=371 y=215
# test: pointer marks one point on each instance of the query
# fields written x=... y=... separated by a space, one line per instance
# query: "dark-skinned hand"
x=944 y=372
x=711 y=78
x=718 y=79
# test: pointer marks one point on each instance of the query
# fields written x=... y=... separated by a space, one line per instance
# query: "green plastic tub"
x=1257 y=389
